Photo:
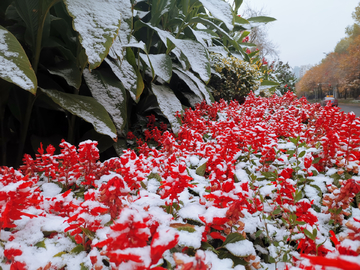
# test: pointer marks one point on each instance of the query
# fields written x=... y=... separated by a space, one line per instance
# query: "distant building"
x=300 y=71
x=296 y=71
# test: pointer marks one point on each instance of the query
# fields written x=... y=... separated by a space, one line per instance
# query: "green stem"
x=24 y=128
x=3 y=143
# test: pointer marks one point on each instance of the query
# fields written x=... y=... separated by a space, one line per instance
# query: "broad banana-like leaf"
x=220 y=10
x=34 y=13
x=220 y=31
x=169 y=104
x=124 y=37
x=190 y=83
x=195 y=53
x=15 y=66
x=97 y=23
x=159 y=8
x=200 y=85
x=161 y=63
x=110 y=93
x=86 y=108
x=126 y=74
x=69 y=71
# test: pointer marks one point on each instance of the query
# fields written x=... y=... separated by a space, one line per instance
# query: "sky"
x=305 y=30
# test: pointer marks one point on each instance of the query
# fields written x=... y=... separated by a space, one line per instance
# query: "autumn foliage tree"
x=339 y=69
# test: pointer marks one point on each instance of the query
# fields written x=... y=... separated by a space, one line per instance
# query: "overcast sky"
x=305 y=29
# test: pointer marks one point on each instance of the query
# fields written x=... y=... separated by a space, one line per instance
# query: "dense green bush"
x=234 y=78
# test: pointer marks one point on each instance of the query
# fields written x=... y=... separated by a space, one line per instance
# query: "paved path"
x=350 y=108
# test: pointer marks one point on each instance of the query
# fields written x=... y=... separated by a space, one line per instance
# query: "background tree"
x=339 y=69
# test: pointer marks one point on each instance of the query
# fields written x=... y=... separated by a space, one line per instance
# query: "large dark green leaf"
x=130 y=57
x=159 y=8
x=190 y=79
x=221 y=10
x=34 y=13
x=161 y=63
x=109 y=92
x=15 y=67
x=168 y=103
x=225 y=35
x=126 y=74
x=86 y=108
x=98 y=23
x=68 y=70
x=193 y=51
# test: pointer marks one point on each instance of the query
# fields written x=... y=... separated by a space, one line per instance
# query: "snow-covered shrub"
x=233 y=78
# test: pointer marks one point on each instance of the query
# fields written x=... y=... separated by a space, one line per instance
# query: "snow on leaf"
x=161 y=63
x=125 y=73
x=220 y=10
x=98 y=23
x=110 y=93
x=190 y=79
x=86 y=108
x=15 y=67
x=168 y=103
x=195 y=53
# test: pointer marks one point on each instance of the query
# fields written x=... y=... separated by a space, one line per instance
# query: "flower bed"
x=273 y=183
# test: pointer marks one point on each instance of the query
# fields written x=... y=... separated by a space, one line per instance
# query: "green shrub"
x=233 y=78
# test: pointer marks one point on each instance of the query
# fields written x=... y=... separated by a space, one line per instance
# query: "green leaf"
x=187 y=50
x=83 y=267
x=156 y=176
x=261 y=19
x=318 y=189
x=126 y=74
x=225 y=35
x=233 y=237
x=298 y=196
x=59 y=254
x=302 y=154
x=220 y=10
x=276 y=211
x=34 y=13
x=86 y=108
x=130 y=56
x=267 y=82
x=88 y=233
x=258 y=233
x=161 y=63
x=309 y=234
x=194 y=83
x=77 y=249
x=159 y=8
x=15 y=67
x=207 y=246
x=41 y=244
x=168 y=103
x=98 y=24
x=110 y=93
x=238 y=4
x=201 y=170
x=316 y=160
x=68 y=70
x=241 y=20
